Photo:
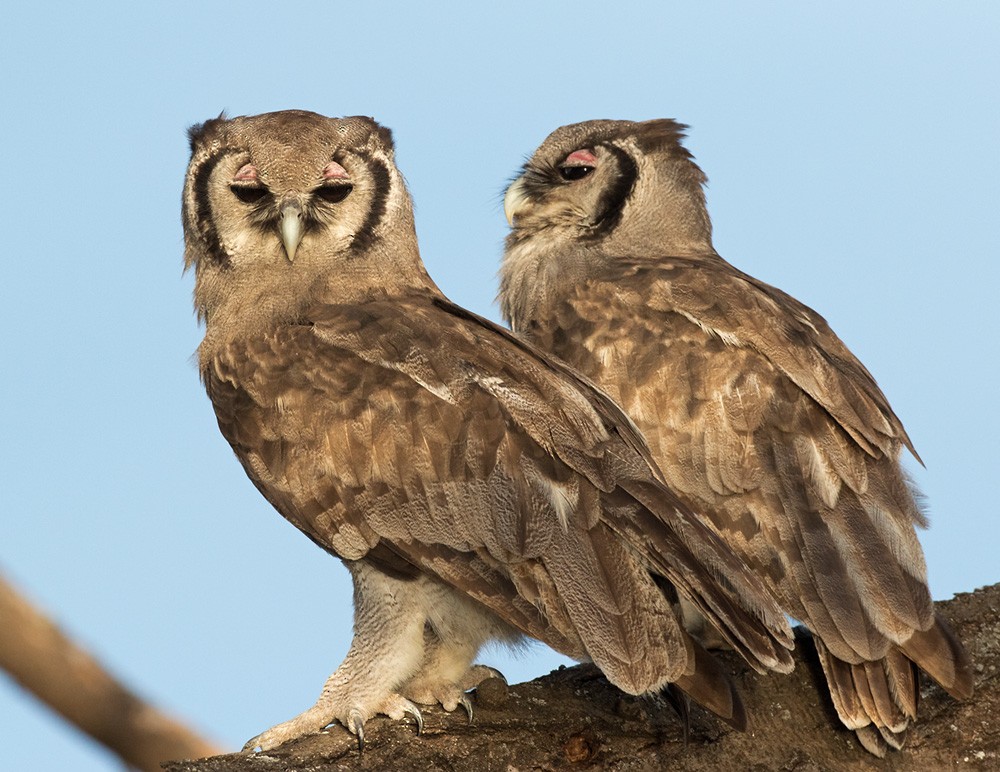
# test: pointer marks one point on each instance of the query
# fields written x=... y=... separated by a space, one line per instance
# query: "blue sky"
x=853 y=161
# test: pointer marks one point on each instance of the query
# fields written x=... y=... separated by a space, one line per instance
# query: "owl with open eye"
x=758 y=415
x=476 y=489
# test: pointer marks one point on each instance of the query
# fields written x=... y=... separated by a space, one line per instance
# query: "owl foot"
x=428 y=690
x=322 y=714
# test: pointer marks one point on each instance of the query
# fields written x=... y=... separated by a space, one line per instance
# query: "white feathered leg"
x=388 y=648
x=456 y=629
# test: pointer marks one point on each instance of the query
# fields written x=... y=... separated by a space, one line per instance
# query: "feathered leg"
x=387 y=649
x=456 y=629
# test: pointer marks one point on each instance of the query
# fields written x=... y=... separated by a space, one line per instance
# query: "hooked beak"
x=291 y=228
x=514 y=200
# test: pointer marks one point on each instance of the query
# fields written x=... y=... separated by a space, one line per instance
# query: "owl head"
x=279 y=206
x=611 y=187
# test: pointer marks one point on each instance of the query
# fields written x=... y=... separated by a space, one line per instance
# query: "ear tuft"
x=385 y=136
x=201 y=132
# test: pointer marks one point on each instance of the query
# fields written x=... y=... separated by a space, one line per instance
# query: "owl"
x=758 y=415
x=476 y=489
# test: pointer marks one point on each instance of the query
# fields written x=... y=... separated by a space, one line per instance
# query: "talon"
x=418 y=718
x=356 y=724
x=466 y=703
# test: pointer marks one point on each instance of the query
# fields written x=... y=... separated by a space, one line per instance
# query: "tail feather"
x=872 y=740
x=878 y=700
x=939 y=653
x=895 y=740
x=904 y=685
x=878 y=678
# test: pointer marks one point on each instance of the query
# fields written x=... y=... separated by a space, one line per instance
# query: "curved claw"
x=466 y=703
x=418 y=717
x=356 y=724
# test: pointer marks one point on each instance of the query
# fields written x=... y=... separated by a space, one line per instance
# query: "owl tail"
x=879 y=699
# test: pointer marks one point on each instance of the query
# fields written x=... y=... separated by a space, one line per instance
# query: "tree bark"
x=574 y=719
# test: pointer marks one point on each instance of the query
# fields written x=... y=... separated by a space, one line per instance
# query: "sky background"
x=853 y=161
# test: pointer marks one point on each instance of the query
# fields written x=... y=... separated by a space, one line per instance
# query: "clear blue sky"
x=853 y=161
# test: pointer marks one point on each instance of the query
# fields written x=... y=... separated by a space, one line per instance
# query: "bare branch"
x=40 y=657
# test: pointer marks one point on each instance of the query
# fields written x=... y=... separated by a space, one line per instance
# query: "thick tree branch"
x=574 y=719
x=39 y=656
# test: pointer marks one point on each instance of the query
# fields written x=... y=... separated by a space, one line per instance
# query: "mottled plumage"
x=475 y=489
x=756 y=412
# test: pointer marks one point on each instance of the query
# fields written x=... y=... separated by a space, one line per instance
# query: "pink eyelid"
x=247 y=173
x=581 y=158
x=334 y=171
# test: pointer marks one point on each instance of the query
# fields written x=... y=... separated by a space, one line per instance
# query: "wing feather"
x=412 y=428
x=764 y=421
x=759 y=414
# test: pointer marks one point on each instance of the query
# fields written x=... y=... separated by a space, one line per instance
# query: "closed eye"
x=334 y=194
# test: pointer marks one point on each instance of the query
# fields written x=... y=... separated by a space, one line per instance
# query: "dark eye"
x=249 y=194
x=573 y=173
x=334 y=194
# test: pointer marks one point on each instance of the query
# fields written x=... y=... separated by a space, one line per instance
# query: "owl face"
x=284 y=208
x=576 y=181
x=578 y=192
x=614 y=183
x=285 y=188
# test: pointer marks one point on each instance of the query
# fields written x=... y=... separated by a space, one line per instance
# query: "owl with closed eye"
x=760 y=418
x=476 y=489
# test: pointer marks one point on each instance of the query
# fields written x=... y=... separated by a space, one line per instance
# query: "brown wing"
x=411 y=428
x=793 y=337
x=759 y=416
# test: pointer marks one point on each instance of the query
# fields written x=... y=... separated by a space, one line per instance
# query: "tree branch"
x=39 y=656
x=573 y=718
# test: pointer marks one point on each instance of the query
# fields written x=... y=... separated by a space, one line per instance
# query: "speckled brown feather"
x=405 y=425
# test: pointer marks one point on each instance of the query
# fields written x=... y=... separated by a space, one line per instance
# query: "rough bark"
x=40 y=657
x=574 y=719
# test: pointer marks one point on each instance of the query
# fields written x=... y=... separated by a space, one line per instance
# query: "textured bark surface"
x=573 y=719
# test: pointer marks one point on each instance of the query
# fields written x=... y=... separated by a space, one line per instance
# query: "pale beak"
x=514 y=200
x=291 y=228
